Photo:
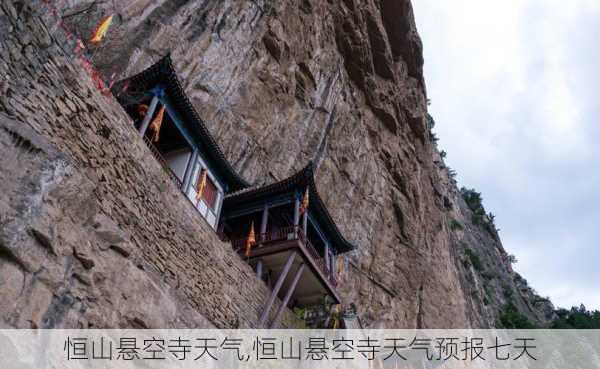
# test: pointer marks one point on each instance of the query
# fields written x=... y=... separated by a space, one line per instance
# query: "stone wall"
x=93 y=232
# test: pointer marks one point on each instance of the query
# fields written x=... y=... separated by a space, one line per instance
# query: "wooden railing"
x=286 y=234
x=157 y=155
x=320 y=261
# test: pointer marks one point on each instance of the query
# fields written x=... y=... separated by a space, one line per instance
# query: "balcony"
x=281 y=241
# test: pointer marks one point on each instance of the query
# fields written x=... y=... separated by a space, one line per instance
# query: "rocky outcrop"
x=278 y=83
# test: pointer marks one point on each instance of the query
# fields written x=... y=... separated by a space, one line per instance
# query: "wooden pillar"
x=296 y=216
x=288 y=296
x=276 y=288
x=263 y=223
x=296 y=212
x=259 y=269
x=189 y=169
x=148 y=116
x=305 y=222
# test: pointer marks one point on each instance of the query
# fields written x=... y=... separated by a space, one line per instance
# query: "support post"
x=296 y=212
x=296 y=216
x=276 y=288
x=259 y=269
x=305 y=222
x=187 y=178
x=148 y=116
x=288 y=296
x=263 y=223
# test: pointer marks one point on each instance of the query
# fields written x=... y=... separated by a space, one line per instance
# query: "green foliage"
x=430 y=122
x=479 y=217
x=576 y=318
x=511 y=318
x=488 y=275
x=507 y=291
x=300 y=312
x=455 y=225
x=512 y=259
x=472 y=258
x=443 y=154
x=489 y=294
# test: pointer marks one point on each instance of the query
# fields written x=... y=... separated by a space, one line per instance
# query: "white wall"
x=177 y=161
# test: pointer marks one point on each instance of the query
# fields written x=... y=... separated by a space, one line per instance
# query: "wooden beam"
x=257 y=207
x=148 y=116
x=276 y=288
x=288 y=296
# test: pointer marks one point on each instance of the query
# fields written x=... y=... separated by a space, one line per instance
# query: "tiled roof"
x=162 y=73
x=301 y=180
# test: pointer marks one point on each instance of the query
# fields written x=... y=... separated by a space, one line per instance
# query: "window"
x=210 y=193
x=209 y=203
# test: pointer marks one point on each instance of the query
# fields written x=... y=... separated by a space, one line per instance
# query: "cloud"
x=514 y=89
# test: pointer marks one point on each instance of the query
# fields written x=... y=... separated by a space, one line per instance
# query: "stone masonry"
x=93 y=233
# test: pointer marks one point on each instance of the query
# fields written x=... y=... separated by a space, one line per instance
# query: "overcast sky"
x=515 y=93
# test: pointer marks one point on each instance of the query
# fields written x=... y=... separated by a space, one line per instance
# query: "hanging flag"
x=251 y=240
x=304 y=204
x=336 y=317
x=201 y=185
x=101 y=30
x=156 y=124
x=341 y=264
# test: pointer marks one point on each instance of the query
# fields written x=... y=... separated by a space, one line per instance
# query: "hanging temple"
x=296 y=247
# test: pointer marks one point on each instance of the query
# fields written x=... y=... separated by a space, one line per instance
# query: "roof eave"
x=163 y=73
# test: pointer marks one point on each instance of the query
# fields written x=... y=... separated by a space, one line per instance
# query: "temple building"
x=297 y=244
x=178 y=138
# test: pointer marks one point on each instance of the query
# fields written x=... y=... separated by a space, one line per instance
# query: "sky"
x=515 y=92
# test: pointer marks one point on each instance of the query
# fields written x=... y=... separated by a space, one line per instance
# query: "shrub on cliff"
x=511 y=318
x=480 y=217
x=472 y=258
x=576 y=318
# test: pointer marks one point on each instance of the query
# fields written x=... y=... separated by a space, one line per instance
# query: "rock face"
x=93 y=232
x=278 y=83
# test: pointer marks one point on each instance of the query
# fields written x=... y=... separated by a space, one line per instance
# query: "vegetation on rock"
x=480 y=217
x=576 y=318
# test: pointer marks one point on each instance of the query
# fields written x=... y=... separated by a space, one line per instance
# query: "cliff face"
x=341 y=83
